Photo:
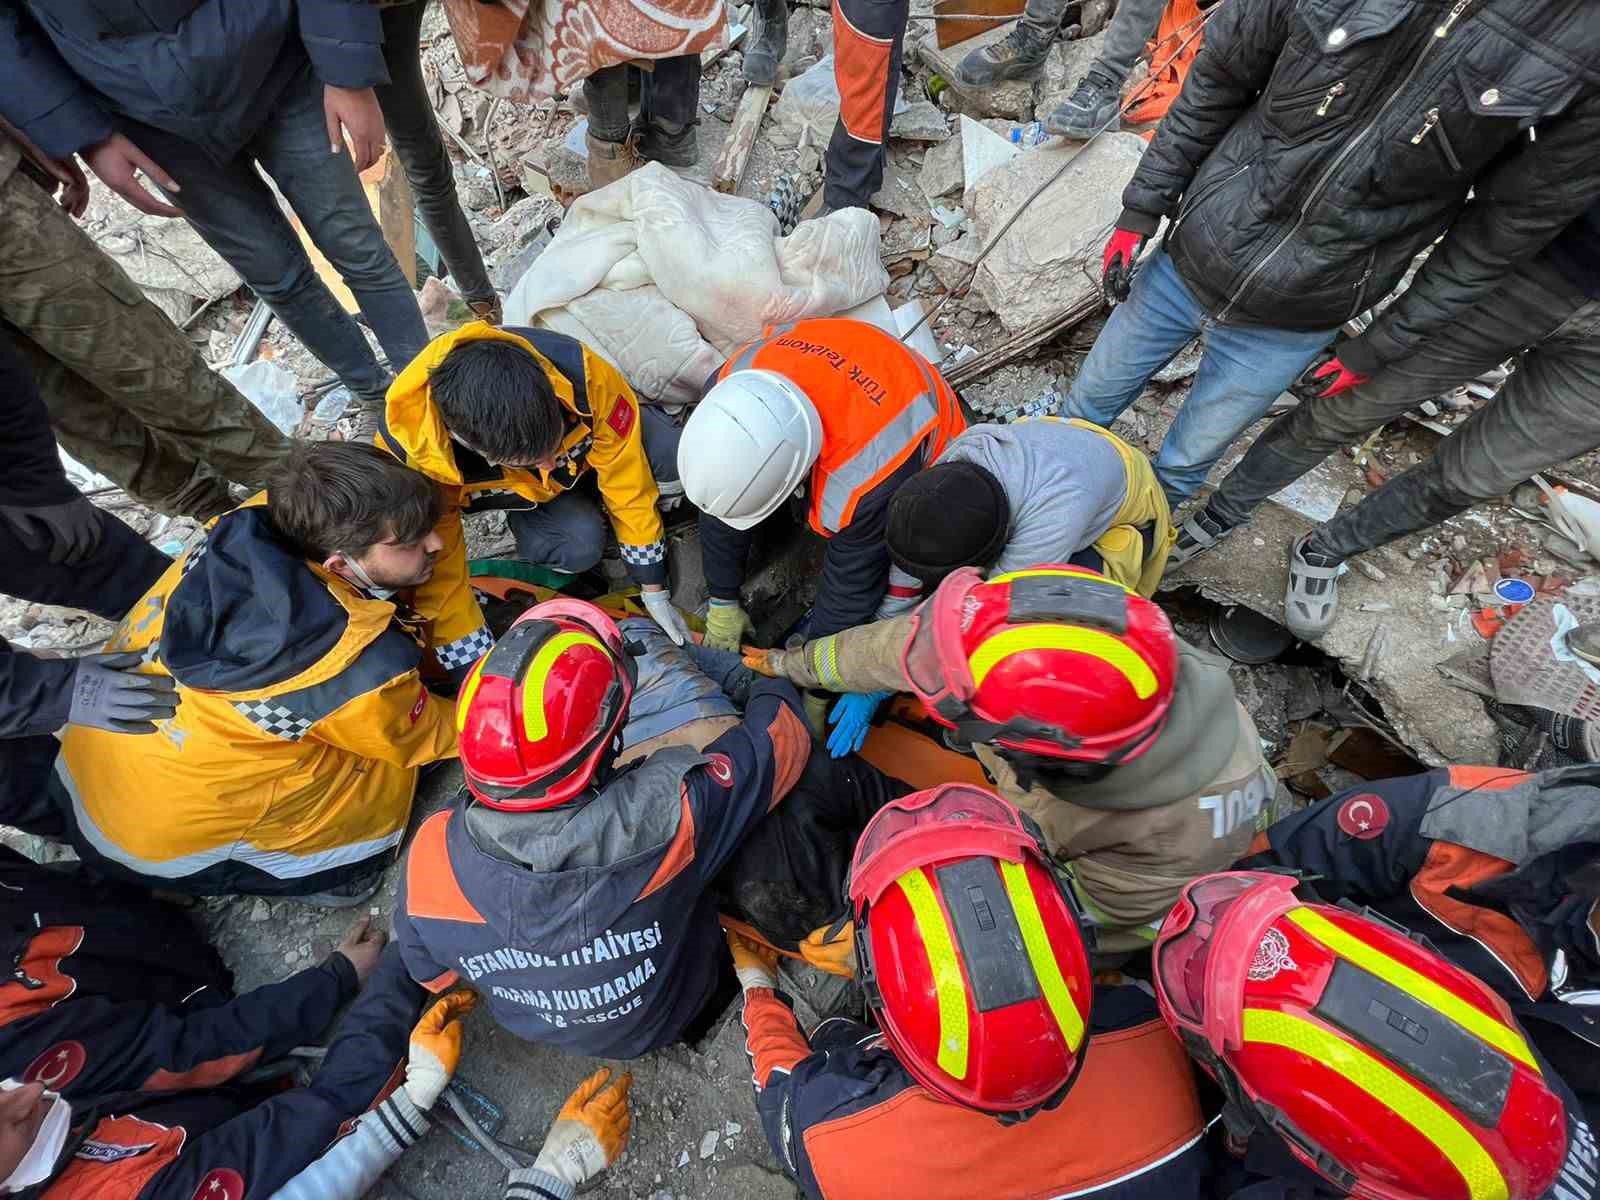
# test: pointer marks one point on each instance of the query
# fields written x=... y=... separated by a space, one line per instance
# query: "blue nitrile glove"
x=851 y=718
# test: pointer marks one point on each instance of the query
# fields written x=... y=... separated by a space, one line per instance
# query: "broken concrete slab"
x=1012 y=99
x=943 y=168
x=899 y=194
x=920 y=122
x=1441 y=723
x=1048 y=260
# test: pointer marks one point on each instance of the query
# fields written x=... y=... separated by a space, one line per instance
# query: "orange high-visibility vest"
x=879 y=400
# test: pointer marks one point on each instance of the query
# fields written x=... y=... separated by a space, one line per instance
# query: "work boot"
x=1019 y=55
x=1199 y=532
x=1093 y=106
x=368 y=413
x=610 y=161
x=667 y=142
x=769 y=38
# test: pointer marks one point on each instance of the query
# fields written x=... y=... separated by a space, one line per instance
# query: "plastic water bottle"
x=1030 y=135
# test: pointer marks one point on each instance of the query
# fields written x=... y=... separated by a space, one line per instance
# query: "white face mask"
x=40 y=1159
x=365 y=580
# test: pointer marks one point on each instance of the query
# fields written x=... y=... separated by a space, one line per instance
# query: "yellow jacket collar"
x=413 y=418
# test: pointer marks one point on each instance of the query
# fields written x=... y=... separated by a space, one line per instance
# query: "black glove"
x=71 y=532
x=108 y=694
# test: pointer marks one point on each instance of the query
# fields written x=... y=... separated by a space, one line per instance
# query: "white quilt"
x=665 y=277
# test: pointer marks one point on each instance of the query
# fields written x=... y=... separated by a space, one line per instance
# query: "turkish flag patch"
x=57 y=1066
x=417 y=708
x=621 y=418
x=1364 y=815
x=221 y=1184
x=720 y=768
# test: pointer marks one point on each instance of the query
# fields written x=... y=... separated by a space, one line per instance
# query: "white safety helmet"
x=747 y=446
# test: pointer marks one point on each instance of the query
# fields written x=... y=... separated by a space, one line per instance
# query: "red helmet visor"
x=971 y=821
x=1204 y=989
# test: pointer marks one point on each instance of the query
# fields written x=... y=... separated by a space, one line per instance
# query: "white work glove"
x=436 y=1048
x=662 y=611
x=589 y=1132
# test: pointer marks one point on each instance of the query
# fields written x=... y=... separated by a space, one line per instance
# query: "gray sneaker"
x=1312 y=599
x=1020 y=54
x=1093 y=106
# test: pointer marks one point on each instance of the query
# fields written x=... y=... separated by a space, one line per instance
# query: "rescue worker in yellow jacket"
x=291 y=763
x=515 y=419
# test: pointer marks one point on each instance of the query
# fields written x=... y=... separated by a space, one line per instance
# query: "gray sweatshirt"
x=1064 y=485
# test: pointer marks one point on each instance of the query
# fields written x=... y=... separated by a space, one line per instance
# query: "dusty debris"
x=1049 y=259
x=920 y=122
x=944 y=167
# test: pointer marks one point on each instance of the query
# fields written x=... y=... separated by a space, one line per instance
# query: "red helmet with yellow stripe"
x=539 y=712
x=1056 y=661
x=971 y=950
x=1386 y=1068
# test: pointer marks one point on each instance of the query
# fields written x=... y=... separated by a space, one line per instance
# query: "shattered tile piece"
x=708 y=1144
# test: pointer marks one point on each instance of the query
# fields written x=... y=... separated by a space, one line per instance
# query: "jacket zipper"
x=1361 y=284
x=1329 y=97
x=1191 y=205
x=1427 y=127
x=1350 y=147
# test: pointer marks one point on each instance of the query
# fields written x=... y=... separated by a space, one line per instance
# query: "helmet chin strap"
x=365 y=580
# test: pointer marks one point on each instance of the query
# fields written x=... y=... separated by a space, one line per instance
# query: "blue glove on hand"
x=851 y=718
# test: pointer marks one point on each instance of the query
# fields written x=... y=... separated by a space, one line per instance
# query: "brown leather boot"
x=610 y=161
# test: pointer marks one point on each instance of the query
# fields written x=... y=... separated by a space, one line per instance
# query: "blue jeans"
x=1243 y=369
x=231 y=207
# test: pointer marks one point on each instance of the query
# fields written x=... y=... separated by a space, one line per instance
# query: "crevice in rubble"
x=1321 y=729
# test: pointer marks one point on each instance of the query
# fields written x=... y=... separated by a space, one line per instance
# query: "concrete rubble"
x=1408 y=611
x=1050 y=257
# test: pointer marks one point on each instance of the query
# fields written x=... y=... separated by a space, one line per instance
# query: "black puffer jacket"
x=1318 y=145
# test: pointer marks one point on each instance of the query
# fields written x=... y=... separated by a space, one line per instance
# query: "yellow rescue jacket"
x=604 y=436
x=1121 y=545
x=301 y=724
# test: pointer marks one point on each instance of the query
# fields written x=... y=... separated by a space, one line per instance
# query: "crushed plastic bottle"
x=1030 y=135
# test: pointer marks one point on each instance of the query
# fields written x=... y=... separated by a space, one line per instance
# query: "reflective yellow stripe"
x=468 y=691
x=1037 y=942
x=947 y=981
x=1393 y=1091
x=1080 y=572
x=1065 y=637
x=1474 y=1020
x=825 y=661
x=533 y=722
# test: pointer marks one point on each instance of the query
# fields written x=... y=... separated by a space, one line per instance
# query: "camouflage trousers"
x=128 y=394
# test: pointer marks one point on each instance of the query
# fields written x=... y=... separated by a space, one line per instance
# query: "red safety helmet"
x=1386 y=1068
x=971 y=950
x=1055 y=661
x=542 y=708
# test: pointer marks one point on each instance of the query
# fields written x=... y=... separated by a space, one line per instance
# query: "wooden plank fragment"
x=729 y=170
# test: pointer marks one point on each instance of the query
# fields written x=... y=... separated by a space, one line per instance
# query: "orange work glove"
x=837 y=954
x=436 y=1048
x=590 y=1131
x=755 y=964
